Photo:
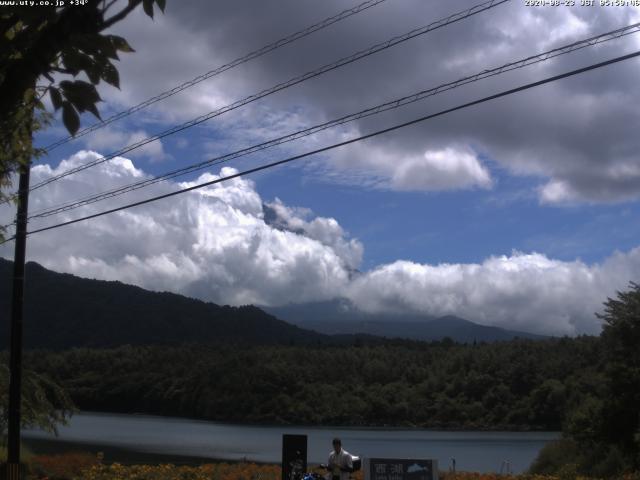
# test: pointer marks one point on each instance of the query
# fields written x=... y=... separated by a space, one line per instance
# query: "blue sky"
x=463 y=226
x=519 y=213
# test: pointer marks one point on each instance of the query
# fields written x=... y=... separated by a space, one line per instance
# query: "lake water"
x=473 y=451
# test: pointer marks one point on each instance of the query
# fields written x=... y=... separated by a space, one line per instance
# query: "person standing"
x=340 y=463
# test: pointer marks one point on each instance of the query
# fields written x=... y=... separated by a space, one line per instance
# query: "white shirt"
x=340 y=460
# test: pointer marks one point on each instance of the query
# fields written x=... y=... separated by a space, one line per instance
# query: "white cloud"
x=441 y=170
x=570 y=27
x=556 y=191
x=551 y=132
x=324 y=230
x=212 y=243
x=567 y=133
x=450 y=168
x=530 y=292
x=168 y=53
x=110 y=139
x=153 y=150
x=225 y=244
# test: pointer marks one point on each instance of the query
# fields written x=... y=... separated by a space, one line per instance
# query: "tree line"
x=521 y=384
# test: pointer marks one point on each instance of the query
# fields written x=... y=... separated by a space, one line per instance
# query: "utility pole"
x=13 y=467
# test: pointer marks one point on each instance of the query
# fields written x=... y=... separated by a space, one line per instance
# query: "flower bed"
x=76 y=466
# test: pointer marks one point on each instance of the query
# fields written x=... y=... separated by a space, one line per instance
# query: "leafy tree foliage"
x=602 y=425
x=44 y=403
x=39 y=43
x=36 y=44
x=435 y=385
x=621 y=337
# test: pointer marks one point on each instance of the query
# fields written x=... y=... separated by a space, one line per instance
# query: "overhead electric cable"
x=223 y=68
x=456 y=17
x=341 y=144
x=390 y=105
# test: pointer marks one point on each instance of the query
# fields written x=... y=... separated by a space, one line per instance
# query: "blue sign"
x=400 y=469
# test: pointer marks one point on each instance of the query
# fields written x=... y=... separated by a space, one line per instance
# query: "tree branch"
x=61 y=70
x=120 y=15
x=107 y=6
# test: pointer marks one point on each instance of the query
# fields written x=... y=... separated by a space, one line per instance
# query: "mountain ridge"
x=63 y=311
x=342 y=317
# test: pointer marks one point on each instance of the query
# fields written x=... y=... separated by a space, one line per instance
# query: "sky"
x=520 y=213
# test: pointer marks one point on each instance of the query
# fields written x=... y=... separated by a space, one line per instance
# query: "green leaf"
x=93 y=109
x=29 y=95
x=39 y=106
x=147 y=5
x=81 y=94
x=93 y=73
x=120 y=43
x=161 y=4
x=80 y=62
x=70 y=118
x=74 y=61
x=87 y=43
x=56 y=98
x=97 y=45
x=106 y=47
x=10 y=34
x=110 y=75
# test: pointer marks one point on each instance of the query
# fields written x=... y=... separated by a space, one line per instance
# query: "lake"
x=473 y=451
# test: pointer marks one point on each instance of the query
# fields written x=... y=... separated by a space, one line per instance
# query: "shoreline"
x=113 y=454
x=408 y=427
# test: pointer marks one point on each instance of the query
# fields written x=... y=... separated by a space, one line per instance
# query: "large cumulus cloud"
x=226 y=244
x=522 y=291
x=212 y=243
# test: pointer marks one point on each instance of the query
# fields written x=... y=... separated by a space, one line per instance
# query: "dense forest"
x=64 y=311
x=512 y=385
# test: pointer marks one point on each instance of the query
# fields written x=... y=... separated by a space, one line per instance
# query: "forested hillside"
x=512 y=385
x=63 y=311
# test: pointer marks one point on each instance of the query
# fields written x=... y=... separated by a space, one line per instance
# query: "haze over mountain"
x=64 y=311
x=342 y=317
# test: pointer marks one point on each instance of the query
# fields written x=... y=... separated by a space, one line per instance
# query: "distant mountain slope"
x=342 y=317
x=62 y=311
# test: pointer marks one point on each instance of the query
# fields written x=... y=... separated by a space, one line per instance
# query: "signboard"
x=294 y=456
x=400 y=469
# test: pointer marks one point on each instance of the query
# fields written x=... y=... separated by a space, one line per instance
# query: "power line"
x=456 y=17
x=347 y=142
x=614 y=34
x=223 y=68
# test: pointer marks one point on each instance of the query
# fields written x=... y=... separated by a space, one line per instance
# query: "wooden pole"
x=13 y=467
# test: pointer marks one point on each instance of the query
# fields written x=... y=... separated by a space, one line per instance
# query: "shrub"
x=63 y=467
x=555 y=456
